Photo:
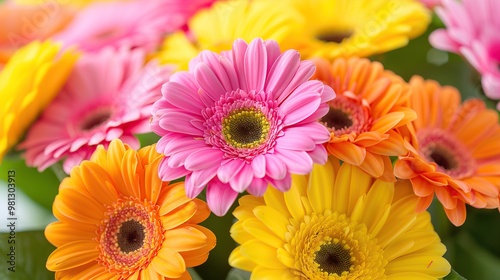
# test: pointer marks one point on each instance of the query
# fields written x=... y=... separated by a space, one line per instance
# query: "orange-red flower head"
x=371 y=103
x=454 y=150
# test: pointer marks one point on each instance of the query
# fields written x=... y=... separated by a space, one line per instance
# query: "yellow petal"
x=321 y=185
x=261 y=253
x=275 y=221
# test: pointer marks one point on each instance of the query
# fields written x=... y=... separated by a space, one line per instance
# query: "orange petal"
x=387 y=122
x=392 y=146
x=457 y=215
x=373 y=165
x=178 y=216
x=347 y=152
x=59 y=233
x=445 y=197
x=422 y=187
x=424 y=203
x=184 y=238
x=171 y=197
x=168 y=263
x=403 y=170
x=73 y=255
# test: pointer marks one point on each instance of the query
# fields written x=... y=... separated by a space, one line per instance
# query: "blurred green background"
x=473 y=249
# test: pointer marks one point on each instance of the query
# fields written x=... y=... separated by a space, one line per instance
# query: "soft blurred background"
x=473 y=249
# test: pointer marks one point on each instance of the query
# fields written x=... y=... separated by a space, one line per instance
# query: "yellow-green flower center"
x=331 y=246
x=245 y=128
x=129 y=236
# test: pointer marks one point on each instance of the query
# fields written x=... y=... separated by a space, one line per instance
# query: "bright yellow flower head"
x=28 y=83
x=357 y=27
x=337 y=223
x=118 y=220
x=216 y=28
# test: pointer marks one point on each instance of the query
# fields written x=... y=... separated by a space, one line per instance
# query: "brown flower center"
x=95 y=119
x=130 y=236
x=450 y=156
x=333 y=258
x=346 y=116
x=335 y=37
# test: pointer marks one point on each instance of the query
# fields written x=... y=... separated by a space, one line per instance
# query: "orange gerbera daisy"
x=454 y=152
x=371 y=102
x=118 y=220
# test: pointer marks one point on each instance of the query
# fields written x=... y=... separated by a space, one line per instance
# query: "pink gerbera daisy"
x=134 y=24
x=108 y=95
x=240 y=121
x=472 y=31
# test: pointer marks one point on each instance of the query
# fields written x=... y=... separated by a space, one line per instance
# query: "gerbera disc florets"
x=450 y=156
x=130 y=236
x=243 y=125
x=333 y=246
x=347 y=115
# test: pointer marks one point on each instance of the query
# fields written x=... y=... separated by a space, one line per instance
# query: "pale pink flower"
x=108 y=95
x=431 y=3
x=240 y=121
x=134 y=24
x=472 y=30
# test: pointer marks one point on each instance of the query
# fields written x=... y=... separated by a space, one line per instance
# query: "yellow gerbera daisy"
x=337 y=223
x=118 y=220
x=28 y=82
x=219 y=26
x=357 y=27
x=371 y=103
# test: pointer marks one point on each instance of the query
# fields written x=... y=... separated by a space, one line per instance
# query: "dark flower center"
x=337 y=119
x=130 y=236
x=333 y=258
x=245 y=128
x=444 y=158
x=335 y=37
x=95 y=120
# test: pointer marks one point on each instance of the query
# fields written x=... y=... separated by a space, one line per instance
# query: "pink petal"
x=318 y=132
x=203 y=158
x=256 y=65
x=229 y=168
x=179 y=122
x=259 y=166
x=242 y=179
x=295 y=140
x=282 y=185
x=299 y=108
x=182 y=97
x=167 y=173
x=297 y=162
x=319 y=155
x=238 y=59
x=258 y=187
x=220 y=197
x=282 y=72
x=208 y=81
x=275 y=167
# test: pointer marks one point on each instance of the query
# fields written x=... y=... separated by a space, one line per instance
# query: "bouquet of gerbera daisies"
x=250 y=139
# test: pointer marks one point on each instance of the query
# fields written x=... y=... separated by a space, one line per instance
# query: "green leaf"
x=238 y=274
x=41 y=187
x=29 y=252
x=453 y=276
